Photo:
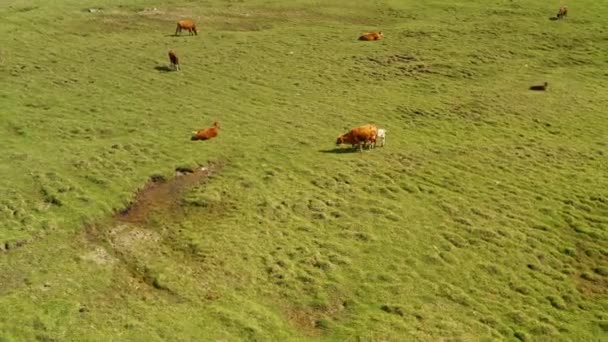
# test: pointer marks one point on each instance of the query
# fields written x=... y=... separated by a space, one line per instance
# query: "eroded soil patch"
x=314 y=321
x=163 y=196
x=128 y=238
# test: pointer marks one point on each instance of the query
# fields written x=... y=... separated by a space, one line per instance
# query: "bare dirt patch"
x=123 y=238
x=163 y=196
x=239 y=18
x=126 y=239
x=313 y=321
x=99 y=256
x=13 y=244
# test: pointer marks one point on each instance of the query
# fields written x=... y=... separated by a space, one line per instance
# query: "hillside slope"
x=484 y=216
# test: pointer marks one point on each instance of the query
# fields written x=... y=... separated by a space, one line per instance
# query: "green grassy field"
x=484 y=217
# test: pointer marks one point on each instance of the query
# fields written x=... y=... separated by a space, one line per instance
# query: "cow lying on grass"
x=372 y=36
x=207 y=133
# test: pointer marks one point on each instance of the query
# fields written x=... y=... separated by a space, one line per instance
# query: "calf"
x=562 y=13
x=174 y=60
x=207 y=133
x=381 y=137
x=186 y=25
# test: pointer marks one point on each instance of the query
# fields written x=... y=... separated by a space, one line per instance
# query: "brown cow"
x=207 y=133
x=562 y=13
x=174 y=60
x=186 y=25
x=359 y=136
x=372 y=36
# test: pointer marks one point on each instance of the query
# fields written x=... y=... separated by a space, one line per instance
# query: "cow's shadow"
x=163 y=68
x=339 y=150
x=553 y=18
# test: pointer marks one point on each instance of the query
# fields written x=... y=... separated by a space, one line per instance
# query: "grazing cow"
x=562 y=13
x=371 y=142
x=372 y=36
x=207 y=133
x=186 y=25
x=359 y=136
x=174 y=60
x=381 y=137
x=542 y=87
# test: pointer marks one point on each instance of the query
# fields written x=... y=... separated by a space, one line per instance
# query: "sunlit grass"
x=484 y=217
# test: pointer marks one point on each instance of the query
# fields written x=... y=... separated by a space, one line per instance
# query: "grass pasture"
x=484 y=218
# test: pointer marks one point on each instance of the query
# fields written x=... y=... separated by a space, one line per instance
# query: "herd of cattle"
x=366 y=136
